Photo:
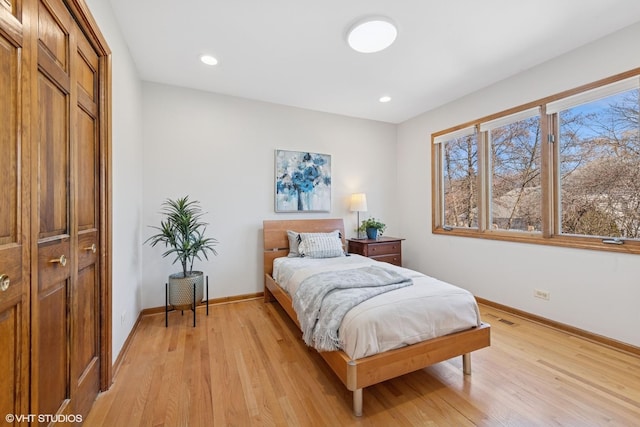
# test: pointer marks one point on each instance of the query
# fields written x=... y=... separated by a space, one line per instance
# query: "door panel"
x=10 y=267
x=86 y=343
x=14 y=211
x=86 y=362
x=9 y=360
x=9 y=143
x=50 y=265
x=12 y=6
x=54 y=23
x=86 y=70
x=87 y=172
x=87 y=242
x=54 y=159
x=53 y=367
x=85 y=348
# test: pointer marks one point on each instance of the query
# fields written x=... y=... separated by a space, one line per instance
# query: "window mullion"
x=437 y=186
x=547 y=179
x=554 y=189
x=484 y=181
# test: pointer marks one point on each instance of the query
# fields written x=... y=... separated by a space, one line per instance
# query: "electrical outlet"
x=542 y=294
x=123 y=317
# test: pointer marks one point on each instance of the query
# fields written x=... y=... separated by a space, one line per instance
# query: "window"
x=460 y=176
x=599 y=156
x=515 y=191
x=564 y=170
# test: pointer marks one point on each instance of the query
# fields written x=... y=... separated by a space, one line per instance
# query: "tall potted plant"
x=182 y=232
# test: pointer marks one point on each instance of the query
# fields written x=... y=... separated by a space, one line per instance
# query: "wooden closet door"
x=52 y=296
x=14 y=214
x=85 y=368
x=65 y=316
x=55 y=311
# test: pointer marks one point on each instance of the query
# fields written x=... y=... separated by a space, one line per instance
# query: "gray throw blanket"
x=322 y=300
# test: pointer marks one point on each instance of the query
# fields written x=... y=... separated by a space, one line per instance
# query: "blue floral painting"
x=303 y=181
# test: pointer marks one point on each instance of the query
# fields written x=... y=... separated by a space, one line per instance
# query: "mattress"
x=427 y=309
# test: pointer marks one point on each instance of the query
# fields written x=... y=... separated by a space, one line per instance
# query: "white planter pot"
x=181 y=289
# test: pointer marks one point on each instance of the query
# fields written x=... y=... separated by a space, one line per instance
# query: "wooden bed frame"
x=360 y=373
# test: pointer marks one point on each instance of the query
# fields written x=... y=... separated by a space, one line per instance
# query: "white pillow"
x=320 y=245
x=294 y=240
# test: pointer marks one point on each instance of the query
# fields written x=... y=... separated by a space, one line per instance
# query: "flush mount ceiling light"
x=372 y=34
x=208 y=59
x=385 y=98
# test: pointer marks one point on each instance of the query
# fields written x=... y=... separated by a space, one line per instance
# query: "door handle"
x=4 y=282
x=93 y=248
x=62 y=260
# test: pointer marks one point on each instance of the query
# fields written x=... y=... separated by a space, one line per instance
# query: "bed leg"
x=357 y=402
x=466 y=363
x=268 y=296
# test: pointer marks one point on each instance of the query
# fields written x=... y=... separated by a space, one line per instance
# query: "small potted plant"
x=373 y=227
x=183 y=232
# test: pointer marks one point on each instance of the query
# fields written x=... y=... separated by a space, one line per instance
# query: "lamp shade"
x=358 y=202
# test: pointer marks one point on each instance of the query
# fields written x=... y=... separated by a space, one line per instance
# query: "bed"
x=357 y=372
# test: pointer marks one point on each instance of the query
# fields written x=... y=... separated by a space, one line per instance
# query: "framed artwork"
x=303 y=181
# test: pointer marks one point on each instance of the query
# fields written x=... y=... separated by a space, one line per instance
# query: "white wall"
x=127 y=178
x=592 y=290
x=220 y=150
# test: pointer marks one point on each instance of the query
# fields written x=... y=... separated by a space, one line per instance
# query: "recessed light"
x=208 y=59
x=372 y=34
x=385 y=98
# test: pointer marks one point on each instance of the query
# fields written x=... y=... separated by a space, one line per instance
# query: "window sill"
x=576 y=242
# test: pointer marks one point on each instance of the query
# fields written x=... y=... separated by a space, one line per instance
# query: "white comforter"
x=428 y=309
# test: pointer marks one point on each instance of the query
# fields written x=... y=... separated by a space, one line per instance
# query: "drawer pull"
x=92 y=248
x=4 y=282
x=62 y=260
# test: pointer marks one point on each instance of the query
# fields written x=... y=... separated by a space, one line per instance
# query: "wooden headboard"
x=276 y=242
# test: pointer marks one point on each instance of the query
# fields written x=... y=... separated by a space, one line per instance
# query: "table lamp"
x=358 y=204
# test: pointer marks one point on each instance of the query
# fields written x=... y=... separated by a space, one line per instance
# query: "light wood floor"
x=244 y=365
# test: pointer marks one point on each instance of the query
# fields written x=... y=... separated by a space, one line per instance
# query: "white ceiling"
x=293 y=52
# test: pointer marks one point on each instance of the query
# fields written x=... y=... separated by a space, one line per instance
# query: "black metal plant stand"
x=194 y=303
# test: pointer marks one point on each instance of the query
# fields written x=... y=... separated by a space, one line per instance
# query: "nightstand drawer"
x=376 y=249
x=386 y=249
x=395 y=259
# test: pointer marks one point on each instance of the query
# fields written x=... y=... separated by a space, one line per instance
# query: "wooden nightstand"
x=387 y=249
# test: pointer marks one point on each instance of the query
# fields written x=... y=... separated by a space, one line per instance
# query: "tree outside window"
x=600 y=167
x=460 y=168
